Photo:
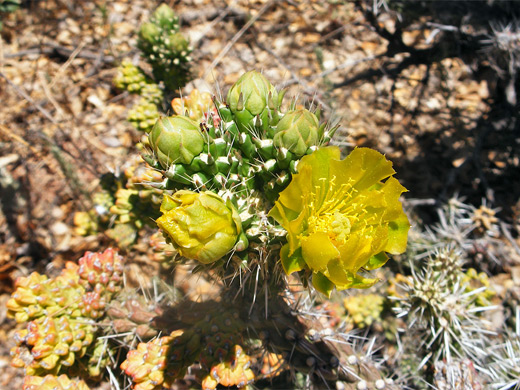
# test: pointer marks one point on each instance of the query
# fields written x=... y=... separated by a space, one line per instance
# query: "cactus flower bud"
x=149 y=32
x=201 y=226
x=296 y=131
x=165 y=16
x=177 y=42
x=176 y=139
x=250 y=96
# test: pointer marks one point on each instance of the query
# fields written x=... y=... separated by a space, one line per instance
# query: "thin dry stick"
x=217 y=20
x=24 y=94
x=15 y=137
x=237 y=36
x=1 y=54
x=6 y=131
x=67 y=63
x=57 y=152
x=48 y=93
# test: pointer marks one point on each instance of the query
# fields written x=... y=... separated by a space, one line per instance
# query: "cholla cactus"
x=62 y=316
x=441 y=307
x=167 y=51
x=222 y=175
x=504 y=363
x=444 y=305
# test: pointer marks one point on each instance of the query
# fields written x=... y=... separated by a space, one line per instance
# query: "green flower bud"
x=201 y=226
x=165 y=16
x=177 y=43
x=176 y=139
x=149 y=32
x=250 y=96
x=296 y=131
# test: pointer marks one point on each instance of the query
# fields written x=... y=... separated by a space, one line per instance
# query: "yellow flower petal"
x=318 y=251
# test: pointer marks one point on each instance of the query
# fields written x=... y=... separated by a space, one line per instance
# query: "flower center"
x=337 y=226
x=331 y=211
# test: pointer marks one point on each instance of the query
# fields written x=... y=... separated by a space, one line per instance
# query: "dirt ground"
x=63 y=123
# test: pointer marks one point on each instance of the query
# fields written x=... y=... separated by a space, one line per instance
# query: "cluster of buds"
x=214 y=341
x=364 y=309
x=61 y=312
x=52 y=382
x=53 y=343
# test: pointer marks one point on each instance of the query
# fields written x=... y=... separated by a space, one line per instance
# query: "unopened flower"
x=201 y=226
x=252 y=95
x=340 y=217
x=176 y=139
x=297 y=131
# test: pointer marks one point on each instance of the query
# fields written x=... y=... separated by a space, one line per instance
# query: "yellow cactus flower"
x=340 y=217
x=201 y=226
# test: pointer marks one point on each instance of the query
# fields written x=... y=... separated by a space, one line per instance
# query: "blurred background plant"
x=8 y=6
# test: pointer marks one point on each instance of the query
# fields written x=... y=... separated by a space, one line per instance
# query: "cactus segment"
x=197 y=106
x=53 y=343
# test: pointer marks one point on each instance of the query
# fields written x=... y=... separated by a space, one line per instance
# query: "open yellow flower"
x=341 y=216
